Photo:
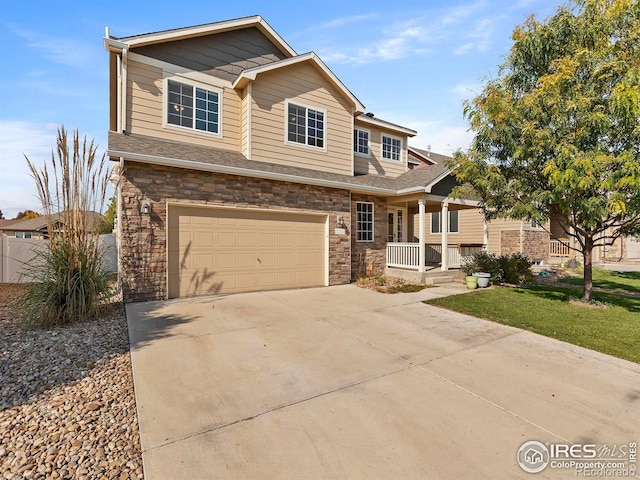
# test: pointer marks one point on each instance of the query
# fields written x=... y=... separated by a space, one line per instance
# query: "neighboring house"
x=37 y=228
x=5 y=223
x=468 y=229
x=246 y=166
x=32 y=228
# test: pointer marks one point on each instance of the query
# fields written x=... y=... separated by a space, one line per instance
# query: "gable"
x=445 y=186
x=224 y=55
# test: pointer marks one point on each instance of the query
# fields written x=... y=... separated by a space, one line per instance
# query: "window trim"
x=393 y=137
x=23 y=235
x=373 y=219
x=355 y=151
x=187 y=81
x=537 y=227
x=449 y=231
x=305 y=145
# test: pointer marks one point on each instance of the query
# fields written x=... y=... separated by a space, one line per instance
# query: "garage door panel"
x=227 y=239
x=266 y=260
x=203 y=239
x=244 y=260
x=266 y=240
x=226 y=250
x=202 y=261
x=284 y=240
x=247 y=239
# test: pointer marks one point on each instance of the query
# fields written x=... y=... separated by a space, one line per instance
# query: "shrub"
x=514 y=269
x=68 y=279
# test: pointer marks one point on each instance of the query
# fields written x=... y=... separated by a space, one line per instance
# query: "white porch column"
x=485 y=236
x=421 y=235
x=444 y=228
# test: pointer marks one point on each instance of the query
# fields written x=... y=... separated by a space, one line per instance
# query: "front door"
x=397 y=231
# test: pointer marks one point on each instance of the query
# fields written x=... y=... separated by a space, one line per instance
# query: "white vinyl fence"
x=17 y=254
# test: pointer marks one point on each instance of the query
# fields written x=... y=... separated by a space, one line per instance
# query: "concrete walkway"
x=345 y=383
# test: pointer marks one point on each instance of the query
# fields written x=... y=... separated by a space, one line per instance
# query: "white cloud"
x=443 y=138
x=339 y=22
x=60 y=50
x=480 y=37
x=17 y=188
x=402 y=40
x=414 y=36
x=459 y=13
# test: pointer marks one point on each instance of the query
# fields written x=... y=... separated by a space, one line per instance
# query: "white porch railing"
x=403 y=255
x=558 y=248
x=407 y=255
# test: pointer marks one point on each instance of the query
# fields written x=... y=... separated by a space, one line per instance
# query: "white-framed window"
x=192 y=106
x=391 y=148
x=361 y=142
x=364 y=221
x=535 y=224
x=23 y=234
x=436 y=223
x=306 y=125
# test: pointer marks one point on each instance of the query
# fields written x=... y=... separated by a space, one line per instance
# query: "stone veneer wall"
x=143 y=246
x=535 y=243
x=363 y=253
x=509 y=242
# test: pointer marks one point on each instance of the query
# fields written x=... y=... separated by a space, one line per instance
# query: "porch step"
x=431 y=277
x=441 y=279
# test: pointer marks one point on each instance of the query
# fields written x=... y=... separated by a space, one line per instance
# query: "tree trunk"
x=587 y=291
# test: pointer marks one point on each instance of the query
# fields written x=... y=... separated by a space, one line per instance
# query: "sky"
x=409 y=62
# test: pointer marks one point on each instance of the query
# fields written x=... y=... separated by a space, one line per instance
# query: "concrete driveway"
x=346 y=383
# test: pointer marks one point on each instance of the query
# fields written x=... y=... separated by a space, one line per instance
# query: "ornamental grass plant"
x=68 y=281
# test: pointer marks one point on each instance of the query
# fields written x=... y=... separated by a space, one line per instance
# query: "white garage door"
x=215 y=250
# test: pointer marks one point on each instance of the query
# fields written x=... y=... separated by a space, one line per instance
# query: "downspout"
x=119 y=96
x=119 y=222
x=249 y=114
x=123 y=95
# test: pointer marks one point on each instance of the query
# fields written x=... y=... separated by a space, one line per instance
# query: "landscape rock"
x=67 y=404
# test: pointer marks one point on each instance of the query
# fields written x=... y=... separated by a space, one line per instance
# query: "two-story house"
x=246 y=166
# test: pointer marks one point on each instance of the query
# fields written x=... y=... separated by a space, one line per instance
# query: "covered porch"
x=414 y=223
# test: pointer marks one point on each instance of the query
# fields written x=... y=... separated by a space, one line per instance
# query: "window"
x=391 y=148
x=537 y=225
x=193 y=107
x=436 y=224
x=361 y=142
x=305 y=125
x=364 y=222
x=23 y=234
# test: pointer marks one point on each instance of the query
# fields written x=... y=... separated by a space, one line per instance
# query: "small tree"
x=557 y=133
x=69 y=280
x=1 y=215
x=27 y=215
x=110 y=216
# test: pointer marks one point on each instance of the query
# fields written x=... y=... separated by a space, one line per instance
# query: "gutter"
x=283 y=177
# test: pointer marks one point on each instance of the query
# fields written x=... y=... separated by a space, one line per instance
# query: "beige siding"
x=223 y=55
x=470 y=228
x=497 y=226
x=300 y=83
x=374 y=163
x=145 y=99
x=244 y=131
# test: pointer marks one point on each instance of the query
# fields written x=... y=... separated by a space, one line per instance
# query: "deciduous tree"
x=557 y=132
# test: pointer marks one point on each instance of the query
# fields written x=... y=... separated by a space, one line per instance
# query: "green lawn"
x=605 y=279
x=546 y=310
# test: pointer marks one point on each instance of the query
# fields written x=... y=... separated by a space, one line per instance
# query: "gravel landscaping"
x=67 y=405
